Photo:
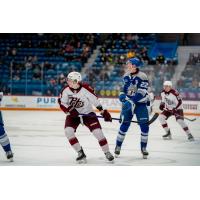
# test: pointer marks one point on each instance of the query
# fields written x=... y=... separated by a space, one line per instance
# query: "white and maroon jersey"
x=172 y=99
x=82 y=99
x=151 y=97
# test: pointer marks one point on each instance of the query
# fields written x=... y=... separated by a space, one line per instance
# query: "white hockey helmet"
x=74 y=76
x=167 y=83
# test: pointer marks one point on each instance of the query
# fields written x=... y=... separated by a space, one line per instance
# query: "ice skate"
x=81 y=157
x=117 y=151
x=109 y=156
x=145 y=153
x=9 y=156
x=190 y=137
x=167 y=136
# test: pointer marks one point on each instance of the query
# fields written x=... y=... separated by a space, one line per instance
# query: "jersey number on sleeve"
x=144 y=85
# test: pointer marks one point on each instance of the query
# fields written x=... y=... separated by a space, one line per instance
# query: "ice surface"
x=38 y=139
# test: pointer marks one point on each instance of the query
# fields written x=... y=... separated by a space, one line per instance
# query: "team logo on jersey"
x=75 y=102
x=168 y=101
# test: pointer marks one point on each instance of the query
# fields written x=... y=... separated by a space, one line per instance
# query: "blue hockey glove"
x=137 y=97
x=122 y=97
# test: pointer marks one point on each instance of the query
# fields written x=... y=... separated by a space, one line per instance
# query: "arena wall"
x=47 y=103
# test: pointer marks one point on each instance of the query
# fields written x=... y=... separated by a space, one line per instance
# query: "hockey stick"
x=191 y=120
x=155 y=116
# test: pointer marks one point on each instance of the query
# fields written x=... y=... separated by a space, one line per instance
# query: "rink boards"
x=50 y=104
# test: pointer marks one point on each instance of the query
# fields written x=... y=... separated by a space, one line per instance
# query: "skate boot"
x=144 y=153
x=117 y=151
x=81 y=157
x=9 y=156
x=109 y=156
x=167 y=136
x=190 y=137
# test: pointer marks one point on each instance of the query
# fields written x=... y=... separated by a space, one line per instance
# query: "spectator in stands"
x=49 y=92
x=195 y=83
x=13 y=52
x=180 y=83
x=51 y=86
x=160 y=59
x=85 y=53
x=103 y=48
x=124 y=45
x=69 y=48
x=36 y=74
x=104 y=75
x=109 y=57
x=144 y=55
x=131 y=54
x=185 y=38
x=103 y=58
x=122 y=59
x=62 y=80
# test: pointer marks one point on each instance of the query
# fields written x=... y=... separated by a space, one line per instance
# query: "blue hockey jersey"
x=136 y=86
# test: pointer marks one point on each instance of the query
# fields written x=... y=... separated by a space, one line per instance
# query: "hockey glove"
x=122 y=97
x=174 y=111
x=106 y=115
x=72 y=112
x=162 y=106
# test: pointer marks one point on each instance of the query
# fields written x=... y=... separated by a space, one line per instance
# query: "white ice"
x=38 y=139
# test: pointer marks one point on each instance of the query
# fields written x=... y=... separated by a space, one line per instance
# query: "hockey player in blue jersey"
x=134 y=98
x=4 y=141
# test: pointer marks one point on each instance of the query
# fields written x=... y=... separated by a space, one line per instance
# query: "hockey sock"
x=122 y=133
x=4 y=141
x=69 y=132
x=120 y=138
x=101 y=139
x=184 y=126
x=164 y=123
x=144 y=139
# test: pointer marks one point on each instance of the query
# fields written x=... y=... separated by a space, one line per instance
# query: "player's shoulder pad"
x=142 y=76
x=126 y=77
x=66 y=87
x=163 y=91
x=88 y=87
x=174 y=92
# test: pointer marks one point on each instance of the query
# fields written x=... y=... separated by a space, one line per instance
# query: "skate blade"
x=191 y=140
x=83 y=161
x=11 y=160
x=110 y=161
x=167 y=138
x=145 y=156
x=116 y=155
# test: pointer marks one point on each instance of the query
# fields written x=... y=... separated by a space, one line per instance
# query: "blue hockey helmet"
x=134 y=61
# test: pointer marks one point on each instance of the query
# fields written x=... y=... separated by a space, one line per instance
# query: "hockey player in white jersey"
x=77 y=100
x=171 y=105
x=151 y=100
x=4 y=140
